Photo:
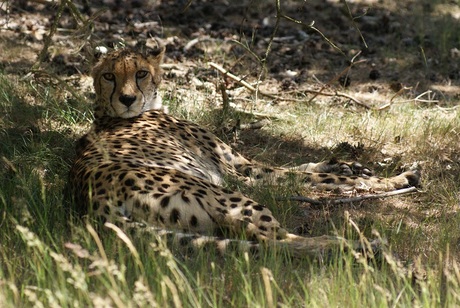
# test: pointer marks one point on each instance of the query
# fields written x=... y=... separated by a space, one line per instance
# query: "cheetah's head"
x=126 y=82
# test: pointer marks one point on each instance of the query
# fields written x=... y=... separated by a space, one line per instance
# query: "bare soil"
x=398 y=43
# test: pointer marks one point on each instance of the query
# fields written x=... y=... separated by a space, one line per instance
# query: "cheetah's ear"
x=99 y=52
x=155 y=55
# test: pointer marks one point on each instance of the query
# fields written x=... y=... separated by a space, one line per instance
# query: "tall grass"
x=116 y=270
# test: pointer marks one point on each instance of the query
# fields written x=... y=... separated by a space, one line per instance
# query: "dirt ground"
x=395 y=47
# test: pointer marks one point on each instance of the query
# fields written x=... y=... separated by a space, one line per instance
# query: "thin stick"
x=234 y=77
x=354 y=23
x=354 y=199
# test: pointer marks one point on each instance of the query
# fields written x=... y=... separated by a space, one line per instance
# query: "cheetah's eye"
x=141 y=74
x=109 y=76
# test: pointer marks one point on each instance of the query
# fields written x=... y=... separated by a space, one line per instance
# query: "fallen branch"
x=354 y=199
x=239 y=80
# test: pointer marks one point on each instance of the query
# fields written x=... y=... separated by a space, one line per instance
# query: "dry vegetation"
x=392 y=74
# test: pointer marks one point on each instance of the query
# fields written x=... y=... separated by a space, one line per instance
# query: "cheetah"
x=140 y=166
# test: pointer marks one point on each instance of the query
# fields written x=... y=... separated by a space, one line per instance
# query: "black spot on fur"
x=328 y=181
x=247 y=212
x=175 y=216
x=185 y=198
x=279 y=236
x=121 y=176
x=114 y=168
x=235 y=199
x=198 y=200
x=247 y=171
x=202 y=192
x=265 y=218
x=258 y=207
x=164 y=202
x=129 y=182
x=198 y=195
x=193 y=221
x=222 y=201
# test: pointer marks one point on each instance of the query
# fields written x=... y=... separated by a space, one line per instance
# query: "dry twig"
x=353 y=199
x=418 y=98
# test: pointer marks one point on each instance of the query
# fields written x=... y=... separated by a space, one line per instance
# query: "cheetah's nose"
x=127 y=100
